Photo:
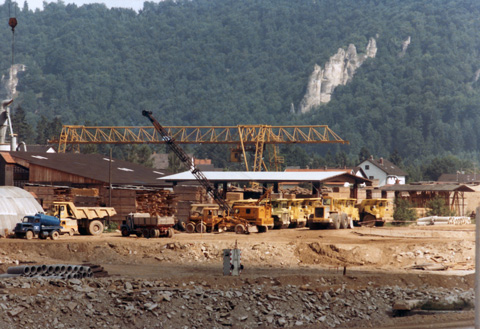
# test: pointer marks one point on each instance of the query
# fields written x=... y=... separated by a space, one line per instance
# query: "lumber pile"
x=187 y=195
x=159 y=202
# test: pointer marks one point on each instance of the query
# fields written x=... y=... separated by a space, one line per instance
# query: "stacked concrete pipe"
x=60 y=271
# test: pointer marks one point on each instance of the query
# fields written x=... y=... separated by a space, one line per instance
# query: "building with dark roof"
x=384 y=171
x=74 y=169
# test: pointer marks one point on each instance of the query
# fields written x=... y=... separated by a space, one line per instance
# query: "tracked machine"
x=210 y=219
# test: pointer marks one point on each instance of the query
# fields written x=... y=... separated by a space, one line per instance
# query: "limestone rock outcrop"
x=339 y=70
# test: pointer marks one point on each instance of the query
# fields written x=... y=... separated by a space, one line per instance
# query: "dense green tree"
x=225 y=62
x=404 y=213
x=23 y=129
x=438 y=207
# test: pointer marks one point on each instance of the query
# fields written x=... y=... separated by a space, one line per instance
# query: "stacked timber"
x=156 y=203
x=187 y=195
x=123 y=200
x=81 y=197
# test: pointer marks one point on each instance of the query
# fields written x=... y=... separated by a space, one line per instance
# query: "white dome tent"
x=15 y=203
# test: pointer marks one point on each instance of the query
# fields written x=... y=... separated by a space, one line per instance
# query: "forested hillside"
x=229 y=62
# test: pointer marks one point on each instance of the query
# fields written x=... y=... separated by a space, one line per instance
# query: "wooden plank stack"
x=185 y=196
x=156 y=203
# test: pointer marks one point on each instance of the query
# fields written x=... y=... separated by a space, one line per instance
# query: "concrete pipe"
x=75 y=268
x=41 y=269
x=50 y=270
x=6 y=275
x=23 y=270
x=69 y=269
x=63 y=268
x=56 y=269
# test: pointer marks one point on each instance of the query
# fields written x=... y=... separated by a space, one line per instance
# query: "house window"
x=371 y=177
x=367 y=167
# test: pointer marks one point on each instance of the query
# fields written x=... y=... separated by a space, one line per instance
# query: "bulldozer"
x=375 y=212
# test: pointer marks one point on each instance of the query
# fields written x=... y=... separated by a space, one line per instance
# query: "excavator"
x=211 y=219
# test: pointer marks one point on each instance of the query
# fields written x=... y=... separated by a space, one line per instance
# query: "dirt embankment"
x=297 y=278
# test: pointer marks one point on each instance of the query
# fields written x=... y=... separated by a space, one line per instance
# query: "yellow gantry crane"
x=241 y=138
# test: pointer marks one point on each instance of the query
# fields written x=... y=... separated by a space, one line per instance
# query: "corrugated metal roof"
x=94 y=166
x=268 y=176
x=424 y=188
x=15 y=203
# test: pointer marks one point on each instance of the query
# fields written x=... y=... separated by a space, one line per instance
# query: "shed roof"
x=94 y=166
x=268 y=176
x=429 y=187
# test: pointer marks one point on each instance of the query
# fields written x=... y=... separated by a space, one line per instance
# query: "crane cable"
x=12 y=22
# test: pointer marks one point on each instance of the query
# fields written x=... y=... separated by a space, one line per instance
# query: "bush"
x=438 y=207
x=403 y=213
x=111 y=227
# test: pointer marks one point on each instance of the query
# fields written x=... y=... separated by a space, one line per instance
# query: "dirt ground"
x=410 y=262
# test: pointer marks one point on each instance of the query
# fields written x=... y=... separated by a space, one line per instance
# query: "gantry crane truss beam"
x=244 y=137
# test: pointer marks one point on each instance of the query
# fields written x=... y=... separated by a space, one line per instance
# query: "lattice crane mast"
x=180 y=153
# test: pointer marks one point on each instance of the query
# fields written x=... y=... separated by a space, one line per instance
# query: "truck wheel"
x=125 y=232
x=343 y=220
x=95 y=227
x=350 y=222
x=170 y=233
x=239 y=229
x=201 y=228
x=29 y=235
x=368 y=220
x=157 y=233
x=146 y=233
x=336 y=221
x=190 y=227
x=71 y=232
x=55 y=235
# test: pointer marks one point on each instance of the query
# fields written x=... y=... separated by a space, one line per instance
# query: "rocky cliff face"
x=9 y=83
x=339 y=70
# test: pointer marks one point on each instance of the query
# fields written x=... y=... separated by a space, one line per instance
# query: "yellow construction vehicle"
x=298 y=217
x=280 y=213
x=335 y=213
x=85 y=220
x=375 y=212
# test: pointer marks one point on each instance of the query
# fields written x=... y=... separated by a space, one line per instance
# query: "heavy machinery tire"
x=125 y=232
x=343 y=220
x=152 y=233
x=201 y=228
x=368 y=220
x=190 y=227
x=239 y=229
x=71 y=232
x=29 y=235
x=55 y=235
x=350 y=222
x=170 y=233
x=146 y=233
x=95 y=227
x=335 y=221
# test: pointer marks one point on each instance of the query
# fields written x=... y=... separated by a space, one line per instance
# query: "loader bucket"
x=252 y=229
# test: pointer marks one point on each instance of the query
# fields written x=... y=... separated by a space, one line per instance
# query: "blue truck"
x=38 y=225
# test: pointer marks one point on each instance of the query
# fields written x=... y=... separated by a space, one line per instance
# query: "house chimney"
x=371 y=157
x=381 y=161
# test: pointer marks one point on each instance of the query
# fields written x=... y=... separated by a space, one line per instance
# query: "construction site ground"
x=292 y=278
